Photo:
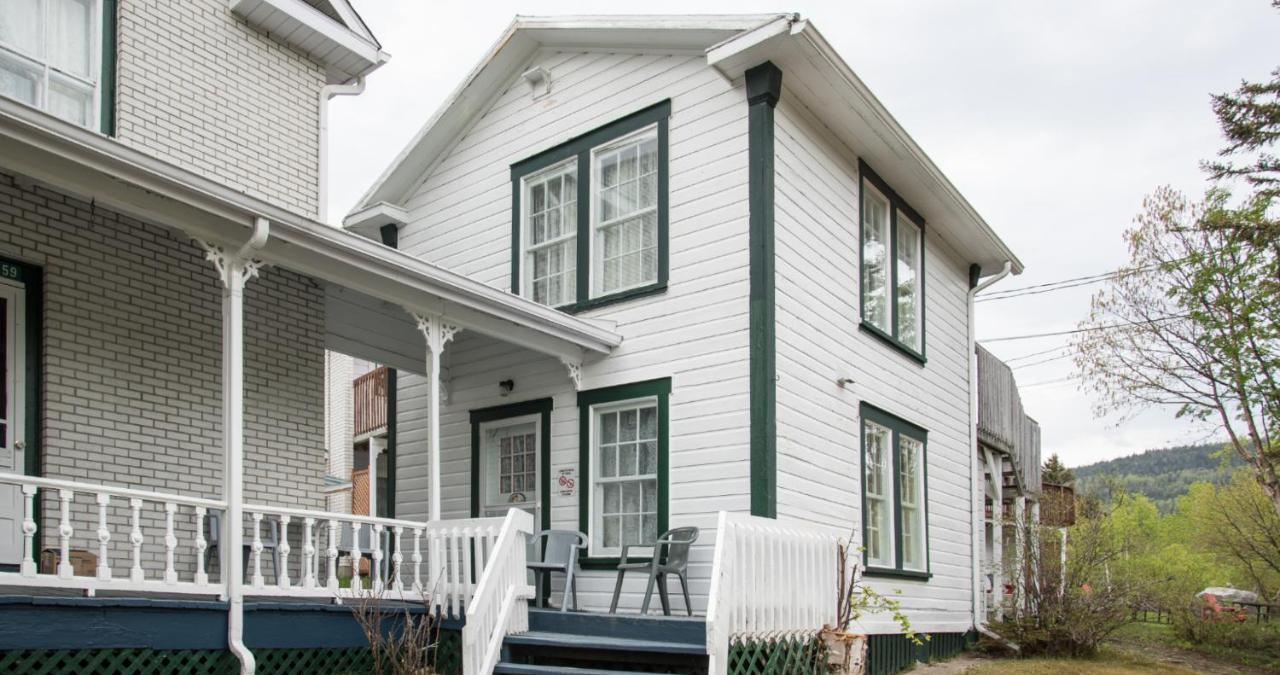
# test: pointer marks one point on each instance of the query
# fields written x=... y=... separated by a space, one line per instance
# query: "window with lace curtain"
x=892 y=275
x=895 y=523
x=51 y=56
x=590 y=215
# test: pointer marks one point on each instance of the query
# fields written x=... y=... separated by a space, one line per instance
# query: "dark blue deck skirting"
x=35 y=622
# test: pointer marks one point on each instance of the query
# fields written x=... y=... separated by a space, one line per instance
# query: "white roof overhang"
x=88 y=165
x=506 y=58
x=817 y=76
x=346 y=51
x=813 y=73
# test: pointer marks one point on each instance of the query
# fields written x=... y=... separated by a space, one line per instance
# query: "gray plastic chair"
x=270 y=544
x=673 y=560
x=559 y=554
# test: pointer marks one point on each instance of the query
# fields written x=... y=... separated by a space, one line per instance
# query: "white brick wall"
x=132 y=366
x=200 y=88
x=339 y=423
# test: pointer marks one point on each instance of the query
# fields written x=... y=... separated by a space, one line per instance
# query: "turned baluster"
x=257 y=549
x=202 y=575
x=397 y=559
x=308 y=554
x=170 y=543
x=375 y=554
x=65 y=571
x=104 y=536
x=333 y=555
x=355 y=558
x=283 y=580
x=417 y=560
x=29 y=528
x=135 y=538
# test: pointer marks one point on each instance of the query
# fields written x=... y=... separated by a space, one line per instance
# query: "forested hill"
x=1163 y=475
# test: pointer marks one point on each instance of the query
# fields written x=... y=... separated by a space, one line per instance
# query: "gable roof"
x=329 y=31
x=813 y=73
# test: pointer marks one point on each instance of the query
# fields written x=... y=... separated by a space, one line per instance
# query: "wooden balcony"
x=370 y=402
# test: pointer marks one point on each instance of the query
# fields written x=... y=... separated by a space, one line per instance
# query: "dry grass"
x=1108 y=663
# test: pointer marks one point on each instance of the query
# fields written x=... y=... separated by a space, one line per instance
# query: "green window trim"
x=587 y=400
x=897 y=427
x=579 y=149
x=107 y=85
x=541 y=407
x=897 y=205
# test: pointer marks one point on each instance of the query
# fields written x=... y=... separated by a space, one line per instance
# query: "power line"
x=1082 y=330
x=1043 y=361
x=1064 y=284
x=1033 y=354
x=1028 y=291
x=1060 y=380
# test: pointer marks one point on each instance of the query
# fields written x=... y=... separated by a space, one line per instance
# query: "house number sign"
x=567 y=482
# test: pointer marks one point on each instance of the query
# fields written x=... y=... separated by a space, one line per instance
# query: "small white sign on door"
x=567 y=481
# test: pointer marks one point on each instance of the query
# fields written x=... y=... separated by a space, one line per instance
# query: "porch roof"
x=369 y=276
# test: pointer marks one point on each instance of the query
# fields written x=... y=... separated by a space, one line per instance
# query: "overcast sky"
x=1054 y=119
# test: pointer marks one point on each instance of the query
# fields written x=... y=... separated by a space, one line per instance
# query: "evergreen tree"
x=1054 y=471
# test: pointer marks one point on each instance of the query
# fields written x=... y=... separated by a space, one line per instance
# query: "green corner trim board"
x=764 y=87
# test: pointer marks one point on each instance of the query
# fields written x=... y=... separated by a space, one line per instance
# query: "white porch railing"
x=156 y=542
x=103 y=502
x=501 y=602
x=769 y=580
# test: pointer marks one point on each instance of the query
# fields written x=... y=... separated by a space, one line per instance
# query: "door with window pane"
x=12 y=407
x=509 y=466
x=626 y=476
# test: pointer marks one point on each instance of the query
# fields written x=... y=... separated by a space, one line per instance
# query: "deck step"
x=604 y=643
x=530 y=669
x=682 y=629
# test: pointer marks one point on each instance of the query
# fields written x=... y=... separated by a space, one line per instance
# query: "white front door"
x=12 y=410
x=509 y=471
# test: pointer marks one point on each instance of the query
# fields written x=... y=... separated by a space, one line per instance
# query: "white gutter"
x=976 y=489
x=327 y=92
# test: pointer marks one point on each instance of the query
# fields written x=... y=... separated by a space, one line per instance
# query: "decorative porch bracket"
x=234 y=270
x=575 y=372
x=437 y=332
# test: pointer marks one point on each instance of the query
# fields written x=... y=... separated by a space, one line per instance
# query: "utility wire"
x=1081 y=330
x=1062 y=284
x=1041 y=362
x=1024 y=357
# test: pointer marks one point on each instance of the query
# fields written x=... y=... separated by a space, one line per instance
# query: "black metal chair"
x=270 y=545
x=670 y=556
x=559 y=554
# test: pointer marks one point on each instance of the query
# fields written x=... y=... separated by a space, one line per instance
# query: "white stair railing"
x=770 y=579
x=182 y=523
x=500 y=605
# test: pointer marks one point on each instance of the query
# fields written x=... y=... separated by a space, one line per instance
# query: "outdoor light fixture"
x=506 y=386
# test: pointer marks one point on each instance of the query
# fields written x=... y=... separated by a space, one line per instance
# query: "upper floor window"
x=589 y=217
x=50 y=56
x=892 y=266
x=895 y=523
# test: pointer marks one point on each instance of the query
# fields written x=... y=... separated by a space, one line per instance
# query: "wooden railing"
x=369 y=399
x=156 y=542
x=501 y=602
x=769 y=579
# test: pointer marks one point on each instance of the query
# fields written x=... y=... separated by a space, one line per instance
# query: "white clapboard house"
x=788 y=279
x=765 y=282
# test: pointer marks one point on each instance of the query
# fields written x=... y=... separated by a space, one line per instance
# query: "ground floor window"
x=894 y=491
x=623 y=446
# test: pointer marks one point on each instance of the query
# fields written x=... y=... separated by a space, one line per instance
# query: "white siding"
x=819 y=342
x=695 y=333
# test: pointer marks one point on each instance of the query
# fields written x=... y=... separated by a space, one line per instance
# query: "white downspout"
x=327 y=92
x=977 y=494
x=238 y=269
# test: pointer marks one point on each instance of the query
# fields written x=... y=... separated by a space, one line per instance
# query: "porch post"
x=437 y=333
x=234 y=270
x=375 y=448
x=995 y=466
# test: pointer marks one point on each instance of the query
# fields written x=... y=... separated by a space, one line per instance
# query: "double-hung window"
x=894 y=495
x=892 y=278
x=589 y=218
x=51 y=56
x=624 y=463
